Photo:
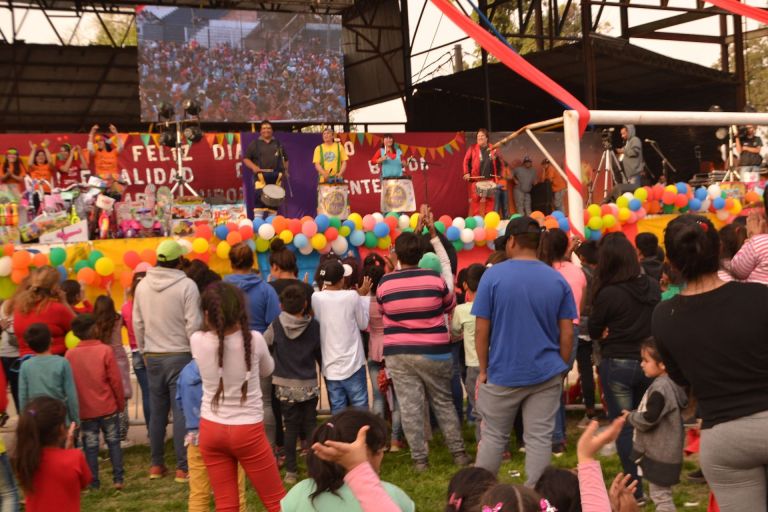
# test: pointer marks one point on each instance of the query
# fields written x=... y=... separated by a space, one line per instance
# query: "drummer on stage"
x=481 y=163
x=330 y=158
x=265 y=161
x=390 y=158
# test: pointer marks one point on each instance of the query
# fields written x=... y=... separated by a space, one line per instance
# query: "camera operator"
x=632 y=155
x=748 y=145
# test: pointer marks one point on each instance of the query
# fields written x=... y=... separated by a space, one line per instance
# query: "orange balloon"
x=752 y=197
x=294 y=225
x=491 y=234
x=551 y=223
x=18 y=275
x=149 y=256
x=537 y=215
x=306 y=218
x=126 y=279
x=21 y=260
x=86 y=275
x=8 y=249
x=234 y=238
x=280 y=223
x=39 y=260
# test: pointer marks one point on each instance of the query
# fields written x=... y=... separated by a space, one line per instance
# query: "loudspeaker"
x=541 y=198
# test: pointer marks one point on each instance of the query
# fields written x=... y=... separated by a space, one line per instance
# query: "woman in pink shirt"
x=139 y=368
x=555 y=251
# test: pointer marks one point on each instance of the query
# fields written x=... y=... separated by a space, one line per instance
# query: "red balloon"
x=232 y=226
x=203 y=231
x=332 y=233
x=668 y=197
x=131 y=259
x=294 y=226
x=606 y=209
x=391 y=221
x=246 y=231
x=234 y=238
x=681 y=201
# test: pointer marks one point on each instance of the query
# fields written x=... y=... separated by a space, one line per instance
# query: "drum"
x=273 y=196
x=333 y=199
x=485 y=188
x=397 y=195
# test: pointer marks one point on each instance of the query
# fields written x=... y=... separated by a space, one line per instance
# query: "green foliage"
x=756 y=70
x=116 y=26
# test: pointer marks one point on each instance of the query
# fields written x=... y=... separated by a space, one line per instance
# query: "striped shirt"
x=413 y=303
x=751 y=262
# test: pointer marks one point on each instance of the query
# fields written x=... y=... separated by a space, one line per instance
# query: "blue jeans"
x=140 y=369
x=374 y=367
x=457 y=391
x=558 y=436
x=9 y=493
x=350 y=392
x=624 y=385
x=163 y=372
x=110 y=426
x=502 y=202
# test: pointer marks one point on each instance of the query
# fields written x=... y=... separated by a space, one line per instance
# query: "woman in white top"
x=231 y=359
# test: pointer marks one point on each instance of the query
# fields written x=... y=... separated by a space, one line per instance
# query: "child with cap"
x=101 y=397
x=342 y=315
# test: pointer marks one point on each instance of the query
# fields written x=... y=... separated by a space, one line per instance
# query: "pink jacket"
x=367 y=488
x=594 y=496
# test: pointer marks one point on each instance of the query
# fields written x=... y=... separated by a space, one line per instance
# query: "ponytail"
x=41 y=424
x=693 y=246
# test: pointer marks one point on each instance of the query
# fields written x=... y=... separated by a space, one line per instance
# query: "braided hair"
x=224 y=308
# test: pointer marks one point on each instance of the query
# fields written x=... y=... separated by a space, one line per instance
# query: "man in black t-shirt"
x=749 y=147
x=265 y=160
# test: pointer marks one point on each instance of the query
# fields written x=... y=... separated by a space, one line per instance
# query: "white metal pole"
x=573 y=171
x=658 y=118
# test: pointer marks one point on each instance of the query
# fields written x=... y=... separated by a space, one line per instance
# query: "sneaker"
x=156 y=472
x=118 y=486
x=127 y=443
x=696 y=477
x=291 y=478
x=641 y=501
x=521 y=449
x=181 y=477
x=462 y=459
x=396 y=446
x=420 y=466
x=558 y=449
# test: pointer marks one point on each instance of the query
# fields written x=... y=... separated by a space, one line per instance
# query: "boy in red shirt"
x=100 y=393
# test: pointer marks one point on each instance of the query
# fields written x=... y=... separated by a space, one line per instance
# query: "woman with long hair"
x=712 y=338
x=43 y=302
x=620 y=320
x=9 y=344
x=108 y=328
x=13 y=170
x=232 y=359
x=139 y=365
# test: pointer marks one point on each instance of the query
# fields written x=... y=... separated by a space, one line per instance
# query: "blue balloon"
x=718 y=203
x=694 y=204
x=479 y=221
x=452 y=233
x=595 y=235
x=300 y=240
x=250 y=243
x=349 y=224
x=257 y=222
x=469 y=246
x=564 y=224
x=682 y=188
x=269 y=219
x=356 y=238
x=322 y=222
x=558 y=214
x=221 y=230
x=701 y=193
x=62 y=273
x=381 y=229
x=635 y=204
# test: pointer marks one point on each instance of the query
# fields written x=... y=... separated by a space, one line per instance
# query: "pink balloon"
x=479 y=234
x=641 y=213
x=309 y=228
x=142 y=267
x=368 y=222
x=632 y=218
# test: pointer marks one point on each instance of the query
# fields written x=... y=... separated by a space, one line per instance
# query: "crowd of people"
x=236 y=362
x=236 y=84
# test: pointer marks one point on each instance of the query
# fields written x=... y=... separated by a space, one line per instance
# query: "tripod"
x=610 y=165
x=181 y=181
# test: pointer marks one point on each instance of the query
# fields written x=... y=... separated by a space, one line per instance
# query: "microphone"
x=650 y=141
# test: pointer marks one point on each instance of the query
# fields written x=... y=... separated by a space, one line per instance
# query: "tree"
x=118 y=27
x=756 y=70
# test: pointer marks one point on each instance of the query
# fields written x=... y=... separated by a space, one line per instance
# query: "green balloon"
x=515 y=215
x=370 y=240
x=470 y=223
x=79 y=265
x=6 y=288
x=458 y=245
x=94 y=257
x=57 y=256
x=440 y=226
x=408 y=230
x=392 y=214
x=669 y=208
x=335 y=222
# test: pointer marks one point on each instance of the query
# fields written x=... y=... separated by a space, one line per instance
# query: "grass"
x=428 y=490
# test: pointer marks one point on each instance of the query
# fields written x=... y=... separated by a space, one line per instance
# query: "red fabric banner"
x=748 y=11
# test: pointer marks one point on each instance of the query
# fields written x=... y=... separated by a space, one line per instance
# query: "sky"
x=435 y=30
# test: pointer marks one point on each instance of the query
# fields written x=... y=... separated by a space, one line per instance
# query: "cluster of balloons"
x=17 y=264
x=95 y=270
x=678 y=198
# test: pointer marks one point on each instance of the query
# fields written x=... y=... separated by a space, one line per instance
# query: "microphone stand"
x=665 y=164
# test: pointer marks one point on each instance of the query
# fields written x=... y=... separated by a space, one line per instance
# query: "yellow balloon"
x=318 y=241
x=594 y=210
x=385 y=242
x=286 y=236
x=624 y=214
x=414 y=220
x=345 y=231
x=71 y=341
x=222 y=250
x=104 y=266
x=492 y=219
x=357 y=219
x=262 y=245
x=671 y=188
x=200 y=245
x=737 y=207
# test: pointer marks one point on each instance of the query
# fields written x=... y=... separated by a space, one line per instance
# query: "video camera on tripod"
x=606 y=138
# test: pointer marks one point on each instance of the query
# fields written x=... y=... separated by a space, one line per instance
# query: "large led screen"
x=241 y=66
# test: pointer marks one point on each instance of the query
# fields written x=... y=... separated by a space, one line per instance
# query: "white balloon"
x=6 y=266
x=186 y=245
x=458 y=222
x=467 y=236
x=266 y=231
x=628 y=195
x=340 y=245
x=502 y=227
x=404 y=222
x=245 y=222
x=714 y=191
x=306 y=250
x=705 y=204
x=378 y=216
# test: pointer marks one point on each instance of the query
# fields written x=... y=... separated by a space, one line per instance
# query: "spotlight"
x=193 y=133
x=721 y=133
x=191 y=107
x=166 y=110
x=168 y=138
